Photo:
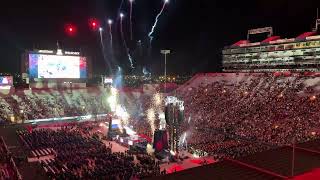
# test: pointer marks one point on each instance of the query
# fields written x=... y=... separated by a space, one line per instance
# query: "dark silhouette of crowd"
x=79 y=156
x=8 y=169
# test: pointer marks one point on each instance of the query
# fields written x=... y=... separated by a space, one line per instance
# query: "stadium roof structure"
x=271 y=39
x=276 y=40
x=271 y=164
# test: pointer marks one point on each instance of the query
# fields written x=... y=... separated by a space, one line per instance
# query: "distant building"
x=298 y=54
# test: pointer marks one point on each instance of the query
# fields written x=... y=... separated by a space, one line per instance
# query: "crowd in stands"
x=225 y=116
x=237 y=116
x=138 y=81
x=52 y=104
x=82 y=156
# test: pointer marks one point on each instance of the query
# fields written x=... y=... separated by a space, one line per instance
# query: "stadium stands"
x=40 y=104
x=262 y=108
x=248 y=121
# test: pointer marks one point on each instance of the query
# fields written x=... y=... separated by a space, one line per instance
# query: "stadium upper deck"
x=301 y=53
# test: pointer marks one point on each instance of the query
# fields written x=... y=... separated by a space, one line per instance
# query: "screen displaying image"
x=6 y=80
x=54 y=66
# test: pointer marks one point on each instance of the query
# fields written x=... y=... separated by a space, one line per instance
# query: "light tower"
x=165 y=52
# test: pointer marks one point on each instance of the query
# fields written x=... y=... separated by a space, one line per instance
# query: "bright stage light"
x=121 y=15
x=122 y=113
x=112 y=99
x=150 y=149
x=112 y=103
x=166 y=1
x=129 y=131
x=100 y=29
x=195 y=155
x=131 y=1
x=114 y=91
x=109 y=21
x=162 y=115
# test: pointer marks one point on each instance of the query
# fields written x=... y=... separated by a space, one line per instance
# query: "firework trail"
x=156 y=21
x=131 y=36
x=130 y=59
x=110 y=33
x=121 y=31
x=124 y=41
x=120 y=7
x=101 y=38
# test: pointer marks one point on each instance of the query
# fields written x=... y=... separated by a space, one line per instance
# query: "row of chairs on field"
x=42 y=152
x=48 y=166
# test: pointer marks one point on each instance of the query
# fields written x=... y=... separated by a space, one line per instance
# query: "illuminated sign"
x=108 y=81
x=282 y=41
x=45 y=51
x=71 y=53
x=313 y=37
x=250 y=44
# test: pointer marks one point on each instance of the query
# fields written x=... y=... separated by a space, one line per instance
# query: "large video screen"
x=54 y=66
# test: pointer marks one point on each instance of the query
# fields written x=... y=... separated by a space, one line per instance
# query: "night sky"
x=195 y=31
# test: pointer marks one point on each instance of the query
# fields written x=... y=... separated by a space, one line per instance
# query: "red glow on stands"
x=314 y=174
x=202 y=161
x=174 y=168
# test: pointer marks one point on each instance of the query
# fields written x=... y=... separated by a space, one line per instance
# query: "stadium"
x=271 y=120
x=257 y=117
